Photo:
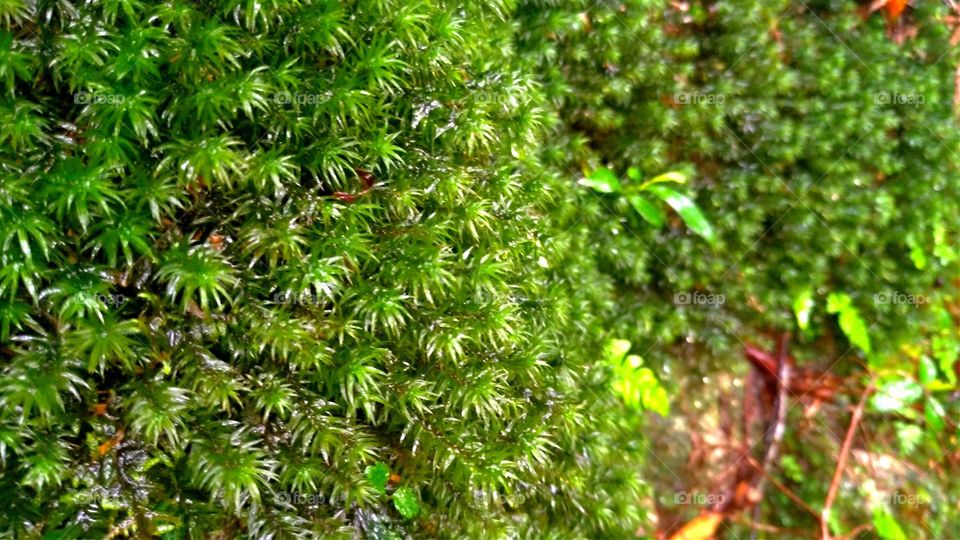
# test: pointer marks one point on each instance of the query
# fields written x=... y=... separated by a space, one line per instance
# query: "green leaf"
x=637 y=386
x=942 y=248
x=855 y=329
x=687 y=210
x=908 y=437
x=852 y=324
x=836 y=302
x=887 y=527
x=945 y=351
x=792 y=468
x=655 y=399
x=676 y=177
x=802 y=306
x=928 y=370
x=633 y=173
x=602 y=180
x=896 y=395
x=916 y=253
x=406 y=502
x=378 y=475
x=616 y=349
x=934 y=412
x=834 y=523
x=647 y=210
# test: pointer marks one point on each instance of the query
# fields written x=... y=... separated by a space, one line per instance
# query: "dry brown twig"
x=765 y=527
x=856 y=531
x=779 y=423
x=784 y=489
x=842 y=462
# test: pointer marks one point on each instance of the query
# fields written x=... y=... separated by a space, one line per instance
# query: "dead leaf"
x=702 y=527
x=107 y=446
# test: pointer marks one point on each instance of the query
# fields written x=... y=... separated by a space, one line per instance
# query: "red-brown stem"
x=856 y=530
x=783 y=489
x=841 y=463
x=765 y=527
x=779 y=422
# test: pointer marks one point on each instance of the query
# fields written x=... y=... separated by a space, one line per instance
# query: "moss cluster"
x=257 y=256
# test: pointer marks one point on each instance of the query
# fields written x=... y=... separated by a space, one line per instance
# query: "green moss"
x=250 y=249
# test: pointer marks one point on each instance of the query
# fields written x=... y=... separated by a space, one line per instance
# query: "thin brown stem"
x=756 y=526
x=842 y=462
x=779 y=422
x=784 y=489
x=856 y=531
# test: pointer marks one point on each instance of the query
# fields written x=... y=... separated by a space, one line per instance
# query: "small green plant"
x=636 y=385
x=404 y=499
x=604 y=180
x=851 y=322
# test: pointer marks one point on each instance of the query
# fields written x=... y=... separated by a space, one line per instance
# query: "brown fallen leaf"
x=107 y=446
x=701 y=527
x=895 y=8
x=194 y=309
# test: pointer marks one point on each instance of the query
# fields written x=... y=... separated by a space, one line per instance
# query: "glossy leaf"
x=674 y=177
x=405 y=501
x=378 y=475
x=896 y=395
x=917 y=255
x=647 y=210
x=934 y=413
x=927 y=369
x=802 y=306
x=688 y=211
x=636 y=385
x=851 y=323
x=886 y=525
x=603 y=180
